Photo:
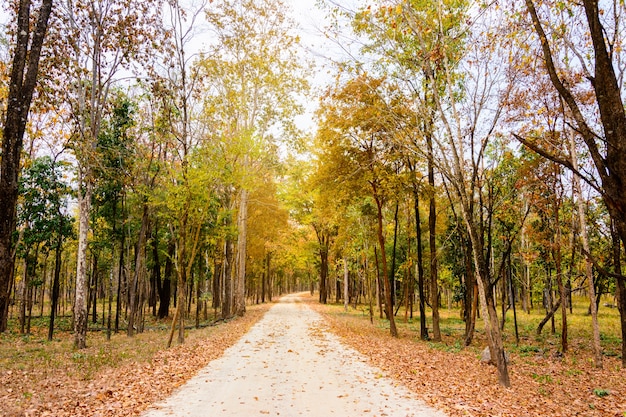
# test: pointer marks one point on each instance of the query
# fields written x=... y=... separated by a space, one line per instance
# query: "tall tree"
x=356 y=135
x=101 y=37
x=29 y=41
x=595 y=58
x=254 y=67
x=462 y=155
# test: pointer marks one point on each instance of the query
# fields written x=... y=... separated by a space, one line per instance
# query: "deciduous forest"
x=460 y=180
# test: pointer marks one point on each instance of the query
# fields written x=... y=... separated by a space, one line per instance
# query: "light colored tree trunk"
x=80 y=303
x=597 y=349
x=240 y=283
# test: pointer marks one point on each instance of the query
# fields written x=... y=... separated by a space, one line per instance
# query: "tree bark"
x=621 y=290
x=23 y=79
x=345 y=283
x=227 y=302
x=381 y=242
x=432 y=233
x=140 y=273
x=420 y=264
x=559 y=273
x=597 y=349
x=165 y=293
x=54 y=301
x=80 y=303
x=240 y=283
x=392 y=273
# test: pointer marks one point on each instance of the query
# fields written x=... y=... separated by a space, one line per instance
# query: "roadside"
x=108 y=379
x=452 y=379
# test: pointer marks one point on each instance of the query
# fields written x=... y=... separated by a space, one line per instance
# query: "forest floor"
x=125 y=376
x=121 y=377
x=452 y=379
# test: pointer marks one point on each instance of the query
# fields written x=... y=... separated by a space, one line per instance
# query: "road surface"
x=288 y=365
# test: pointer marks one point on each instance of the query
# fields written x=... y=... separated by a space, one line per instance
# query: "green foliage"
x=44 y=197
x=599 y=392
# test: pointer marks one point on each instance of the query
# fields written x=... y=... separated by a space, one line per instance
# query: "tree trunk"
x=487 y=304
x=54 y=301
x=471 y=294
x=120 y=275
x=240 y=283
x=345 y=283
x=228 y=279
x=323 y=252
x=165 y=294
x=556 y=251
x=381 y=242
x=420 y=264
x=23 y=79
x=432 y=231
x=597 y=349
x=549 y=316
x=94 y=289
x=135 y=288
x=80 y=303
x=392 y=273
x=621 y=290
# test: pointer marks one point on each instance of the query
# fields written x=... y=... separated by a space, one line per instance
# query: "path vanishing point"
x=289 y=365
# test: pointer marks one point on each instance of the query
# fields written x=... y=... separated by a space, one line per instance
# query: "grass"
x=530 y=344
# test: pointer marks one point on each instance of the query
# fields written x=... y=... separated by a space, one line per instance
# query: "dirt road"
x=287 y=365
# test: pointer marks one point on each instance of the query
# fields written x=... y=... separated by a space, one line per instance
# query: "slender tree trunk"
x=392 y=273
x=228 y=279
x=54 y=301
x=420 y=265
x=432 y=236
x=597 y=349
x=94 y=289
x=323 y=252
x=165 y=295
x=559 y=271
x=549 y=316
x=240 y=283
x=379 y=286
x=266 y=276
x=487 y=304
x=24 y=287
x=120 y=275
x=80 y=303
x=381 y=242
x=512 y=292
x=471 y=293
x=135 y=288
x=345 y=283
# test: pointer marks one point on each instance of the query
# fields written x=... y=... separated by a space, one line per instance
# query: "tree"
x=41 y=212
x=461 y=155
x=606 y=144
x=101 y=37
x=254 y=73
x=29 y=41
x=356 y=140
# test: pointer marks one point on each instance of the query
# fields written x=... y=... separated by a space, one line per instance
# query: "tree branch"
x=563 y=162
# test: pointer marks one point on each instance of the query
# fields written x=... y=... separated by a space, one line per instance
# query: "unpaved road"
x=287 y=365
